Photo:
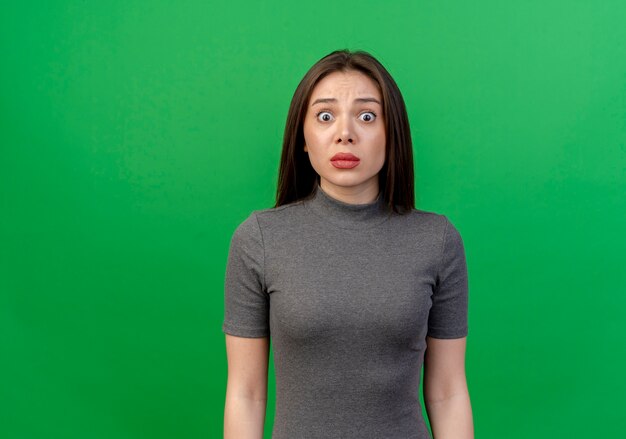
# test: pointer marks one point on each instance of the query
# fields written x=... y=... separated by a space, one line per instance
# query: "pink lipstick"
x=344 y=160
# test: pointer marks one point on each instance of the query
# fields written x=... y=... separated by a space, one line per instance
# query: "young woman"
x=356 y=288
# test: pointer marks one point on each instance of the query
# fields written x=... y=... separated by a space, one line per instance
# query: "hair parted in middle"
x=296 y=177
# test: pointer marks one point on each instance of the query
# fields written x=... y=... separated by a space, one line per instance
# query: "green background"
x=135 y=137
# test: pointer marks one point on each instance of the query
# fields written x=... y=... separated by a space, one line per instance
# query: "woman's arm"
x=246 y=389
x=445 y=389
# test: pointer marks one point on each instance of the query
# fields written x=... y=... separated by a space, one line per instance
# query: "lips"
x=344 y=160
x=345 y=156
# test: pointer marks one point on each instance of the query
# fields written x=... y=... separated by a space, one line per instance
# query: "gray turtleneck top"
x=347 y=293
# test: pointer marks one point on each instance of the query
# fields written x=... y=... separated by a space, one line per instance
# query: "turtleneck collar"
x=347 y=215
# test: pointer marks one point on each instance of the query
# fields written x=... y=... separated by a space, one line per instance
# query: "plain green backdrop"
x=135 y=137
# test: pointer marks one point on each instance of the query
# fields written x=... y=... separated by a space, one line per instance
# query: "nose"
x=345 y=133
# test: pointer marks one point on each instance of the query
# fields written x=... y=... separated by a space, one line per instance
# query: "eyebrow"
x=331 y=100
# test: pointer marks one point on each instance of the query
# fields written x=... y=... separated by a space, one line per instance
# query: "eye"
x=324 y=116
x=368 y=116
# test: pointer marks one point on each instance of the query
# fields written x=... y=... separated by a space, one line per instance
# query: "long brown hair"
x=297 y=179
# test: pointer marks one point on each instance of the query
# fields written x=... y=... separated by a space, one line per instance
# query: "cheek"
x=309 y=138
x=312 y=137
x=313 y=142
x=380 y=143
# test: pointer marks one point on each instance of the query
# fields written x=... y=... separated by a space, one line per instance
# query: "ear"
x=306 y=149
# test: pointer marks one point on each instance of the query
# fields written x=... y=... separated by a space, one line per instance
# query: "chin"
x=347 y=180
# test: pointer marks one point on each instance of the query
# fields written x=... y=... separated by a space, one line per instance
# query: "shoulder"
x=275 y=217
x=437 y=219
x=281 y=217
x=431 y=221
x=280 y=211
x=434 y=226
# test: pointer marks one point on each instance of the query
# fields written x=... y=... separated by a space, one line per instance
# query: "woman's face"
x=344 y=116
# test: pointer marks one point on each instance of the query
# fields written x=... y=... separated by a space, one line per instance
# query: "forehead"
x=346 y=83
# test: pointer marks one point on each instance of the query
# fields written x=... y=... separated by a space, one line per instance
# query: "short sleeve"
x=448 y=314
x=246 y=303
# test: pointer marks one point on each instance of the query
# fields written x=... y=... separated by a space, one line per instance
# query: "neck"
x=347 y=215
